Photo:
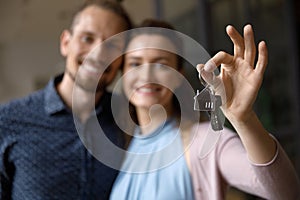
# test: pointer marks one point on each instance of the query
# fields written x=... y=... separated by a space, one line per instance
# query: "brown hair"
x=170 y=35
x=110 y=5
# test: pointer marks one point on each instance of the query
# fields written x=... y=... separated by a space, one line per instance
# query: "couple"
x=42 y=156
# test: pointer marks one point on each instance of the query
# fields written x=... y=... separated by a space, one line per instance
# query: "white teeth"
x=91 y=69
x=146 y=90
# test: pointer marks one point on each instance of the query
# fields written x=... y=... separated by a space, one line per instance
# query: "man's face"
x=83 y=51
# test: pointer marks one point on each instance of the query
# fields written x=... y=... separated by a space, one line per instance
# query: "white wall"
x=29 y=41
x=29 y=38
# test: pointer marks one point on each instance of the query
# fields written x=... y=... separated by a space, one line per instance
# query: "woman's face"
x=150 y=73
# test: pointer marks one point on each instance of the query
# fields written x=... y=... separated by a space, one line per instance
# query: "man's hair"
x=110 y=5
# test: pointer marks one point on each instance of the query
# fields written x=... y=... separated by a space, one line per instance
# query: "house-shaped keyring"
x=205 y=100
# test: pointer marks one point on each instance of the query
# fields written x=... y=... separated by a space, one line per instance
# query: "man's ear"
x=64 y=42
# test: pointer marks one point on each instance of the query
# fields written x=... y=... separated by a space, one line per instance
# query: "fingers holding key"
x=206 y=72
x=244 y=48
x=209 y=78
x=220 y=58
x=238 y=70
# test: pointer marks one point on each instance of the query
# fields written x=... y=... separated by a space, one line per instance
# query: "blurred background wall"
x=29 y=47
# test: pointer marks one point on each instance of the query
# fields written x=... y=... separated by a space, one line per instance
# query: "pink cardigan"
x=226 y=164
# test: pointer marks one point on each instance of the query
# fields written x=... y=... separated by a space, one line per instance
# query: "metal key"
x=215 y=116
x=206 y=100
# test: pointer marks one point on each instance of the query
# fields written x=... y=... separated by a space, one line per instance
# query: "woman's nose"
x=147 y=72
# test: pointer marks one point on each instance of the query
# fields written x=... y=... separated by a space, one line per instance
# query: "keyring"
x=202 y=81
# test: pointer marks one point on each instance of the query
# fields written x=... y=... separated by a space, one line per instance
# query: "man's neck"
x=81 y=102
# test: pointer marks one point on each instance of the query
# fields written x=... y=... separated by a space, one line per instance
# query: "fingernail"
x=199 y=67
x=209 y=66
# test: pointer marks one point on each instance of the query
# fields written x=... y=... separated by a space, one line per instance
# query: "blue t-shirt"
x=155 y=167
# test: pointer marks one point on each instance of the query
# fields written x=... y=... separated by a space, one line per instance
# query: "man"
x=42 y=156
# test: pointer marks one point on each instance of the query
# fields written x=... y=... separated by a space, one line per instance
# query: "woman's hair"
x=185 y=109
x=110 y=5
x=160 y=29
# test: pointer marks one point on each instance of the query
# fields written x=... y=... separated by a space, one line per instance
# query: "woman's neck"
x=150 y=119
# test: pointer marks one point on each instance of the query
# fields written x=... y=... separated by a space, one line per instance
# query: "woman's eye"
x=158 y=65
x=133 y=64
x=161 y=65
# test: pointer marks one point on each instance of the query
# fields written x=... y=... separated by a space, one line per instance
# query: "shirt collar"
x=54 y=103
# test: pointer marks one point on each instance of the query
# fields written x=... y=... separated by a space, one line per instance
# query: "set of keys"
x=207 y=100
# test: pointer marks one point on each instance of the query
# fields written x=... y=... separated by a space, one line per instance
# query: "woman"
x=163 y=160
